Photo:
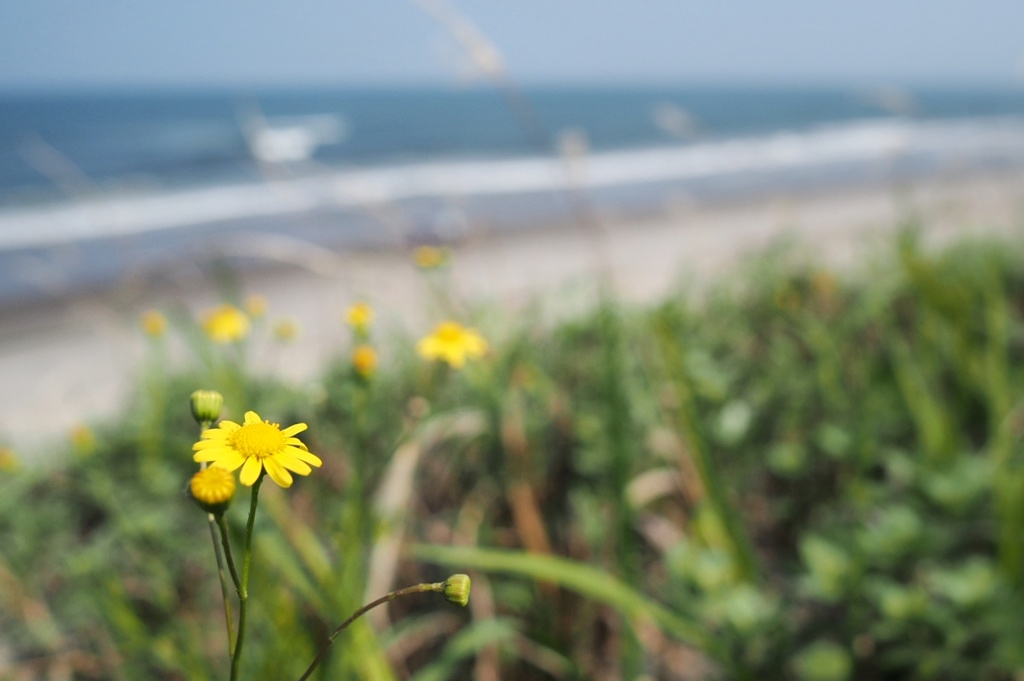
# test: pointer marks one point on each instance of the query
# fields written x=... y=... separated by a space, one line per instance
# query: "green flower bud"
x=206 y=406
x=456 y=590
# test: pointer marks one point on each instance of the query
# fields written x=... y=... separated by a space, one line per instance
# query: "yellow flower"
x=286 y=330
x=256 y=306
x=452 y=343
x=364 y=360
x=430 y=257
x=254 y=446
x=153 y=323
x=83 y=439
x=226 y=324
x=359 y=317
x=8 y=460
x=213 y=488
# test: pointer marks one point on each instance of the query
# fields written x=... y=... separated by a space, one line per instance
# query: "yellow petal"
x=211 y=453
x=230 y=461
x=277 y=472
x=292 y=430
x=304 y=455
x=250 y=471
x=208 y=444
x=293 y=464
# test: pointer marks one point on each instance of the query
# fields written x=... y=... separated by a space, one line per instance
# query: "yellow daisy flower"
x=256 y=445
x=226 y=324
x=83 y=439
x=286 y=330
x=8 y=460
x=359 y=317
x=212 y=489
x=453 y=343
x=364 y=360
x=256 y=306
x=430 y=257
x=153 y=323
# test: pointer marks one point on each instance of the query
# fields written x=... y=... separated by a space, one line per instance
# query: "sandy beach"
x=75 y=361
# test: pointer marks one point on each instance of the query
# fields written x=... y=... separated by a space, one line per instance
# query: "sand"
x=76 y=361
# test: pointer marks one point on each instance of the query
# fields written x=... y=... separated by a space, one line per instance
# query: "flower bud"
x=456 y=590
x=212 y=489
x=206 y=406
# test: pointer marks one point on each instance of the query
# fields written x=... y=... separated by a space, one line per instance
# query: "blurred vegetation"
x=797 y=475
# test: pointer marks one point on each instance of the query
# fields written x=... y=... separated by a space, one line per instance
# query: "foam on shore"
x=864 y=147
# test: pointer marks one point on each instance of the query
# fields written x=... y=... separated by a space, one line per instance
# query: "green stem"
x=243 y=591
x=217 y=552
x=223 y=524
x=418 y=588
x=223 y=578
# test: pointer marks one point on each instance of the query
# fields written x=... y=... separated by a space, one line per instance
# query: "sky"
x=128 y=43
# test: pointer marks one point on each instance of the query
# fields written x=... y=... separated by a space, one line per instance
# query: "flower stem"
x=223 y=524
x=243 y=589
x=217 y=552
x=223 y=578
x=418 y=588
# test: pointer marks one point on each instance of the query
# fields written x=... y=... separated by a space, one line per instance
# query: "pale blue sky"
x=271 y=42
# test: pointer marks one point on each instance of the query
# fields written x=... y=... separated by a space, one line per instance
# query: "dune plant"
x=813 y=478
x=260 y=449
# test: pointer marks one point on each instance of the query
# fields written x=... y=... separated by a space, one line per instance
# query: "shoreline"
x=75 y=360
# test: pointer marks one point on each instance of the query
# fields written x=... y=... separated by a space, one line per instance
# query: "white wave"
x=857 y=142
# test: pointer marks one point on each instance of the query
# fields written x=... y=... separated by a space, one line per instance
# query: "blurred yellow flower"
x=256 y=306
x=226 y=324
x=430 y=257
x=83 y=439
x=824 y=284
x=359 y=317
x=364 y=360
x=213 y=488
x=8 y=460
x=255 y=446
x=153 y=323
x=452 y=343
x=286 y=330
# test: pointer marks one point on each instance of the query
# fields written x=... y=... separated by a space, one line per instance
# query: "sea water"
x=132 y=179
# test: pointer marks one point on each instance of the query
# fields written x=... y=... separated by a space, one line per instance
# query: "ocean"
x=97 y=185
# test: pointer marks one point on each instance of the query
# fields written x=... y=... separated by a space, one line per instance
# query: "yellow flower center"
x=450 y=333
x=258 y=439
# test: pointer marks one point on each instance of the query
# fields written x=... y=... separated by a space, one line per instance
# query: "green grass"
x=797 y=475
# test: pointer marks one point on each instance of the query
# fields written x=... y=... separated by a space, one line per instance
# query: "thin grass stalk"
x=687 y=423
x=1009 y=477
x=617 y=418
